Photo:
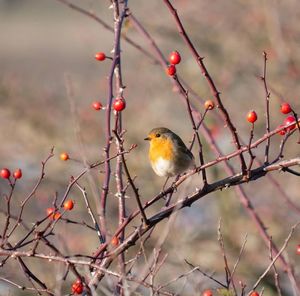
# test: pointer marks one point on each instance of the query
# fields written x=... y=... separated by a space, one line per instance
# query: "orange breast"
x=161 y=148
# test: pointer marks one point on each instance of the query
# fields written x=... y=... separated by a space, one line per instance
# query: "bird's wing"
x=183 y=148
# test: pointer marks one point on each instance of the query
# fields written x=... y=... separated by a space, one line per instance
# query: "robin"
x=167 y=153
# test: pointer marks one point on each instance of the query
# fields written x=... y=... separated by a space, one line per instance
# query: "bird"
x=168 y=154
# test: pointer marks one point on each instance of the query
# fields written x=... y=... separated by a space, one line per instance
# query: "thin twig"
x=130 y=180
x=252 y=157
x=33 y=191
x=267 y=110
x=23 y=288
x=87 y=203
x=205 y=274
x=106 y=26
x=276 y=275
x=196 y=133
x=229 y=277
x=239 y=257
x=275 y=258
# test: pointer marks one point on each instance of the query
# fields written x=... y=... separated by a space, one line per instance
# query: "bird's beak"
x=147 y=139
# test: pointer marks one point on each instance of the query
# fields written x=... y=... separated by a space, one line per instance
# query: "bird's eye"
x=157 y=135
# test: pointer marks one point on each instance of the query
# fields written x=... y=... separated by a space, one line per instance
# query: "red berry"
x=64 y=156
x=254 y=293
x=50 y=211
x=17 y=174
x=68 y=205
x=290 y=119
x=171 y=70
x=97 y=105
x=100 y=56
x=298 y=250
x=52 y=214
x=77 y=287
x=5 y=173
x=207 y=292
x=115 y=241
x=285 y=108
x=209 y=105
x=174 y=58
x=283 y=131
x=56 y=216
x=252 y=116
x=119 y=104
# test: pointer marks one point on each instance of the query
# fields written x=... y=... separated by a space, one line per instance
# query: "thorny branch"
x=267 y=110
x=210 y=82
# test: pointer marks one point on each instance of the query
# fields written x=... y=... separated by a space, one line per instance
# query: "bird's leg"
x=165 y=183
x=164 y=187
x=174 y=190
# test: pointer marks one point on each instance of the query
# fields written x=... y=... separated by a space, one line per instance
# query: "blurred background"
x=49 y=78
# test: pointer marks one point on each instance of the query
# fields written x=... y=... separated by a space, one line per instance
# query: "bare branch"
x=275 y=258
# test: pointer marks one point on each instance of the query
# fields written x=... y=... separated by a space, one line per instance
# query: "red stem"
x=210 y=81
x=267 y=111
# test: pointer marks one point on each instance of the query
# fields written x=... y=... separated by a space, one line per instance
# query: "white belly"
x=163 y=167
